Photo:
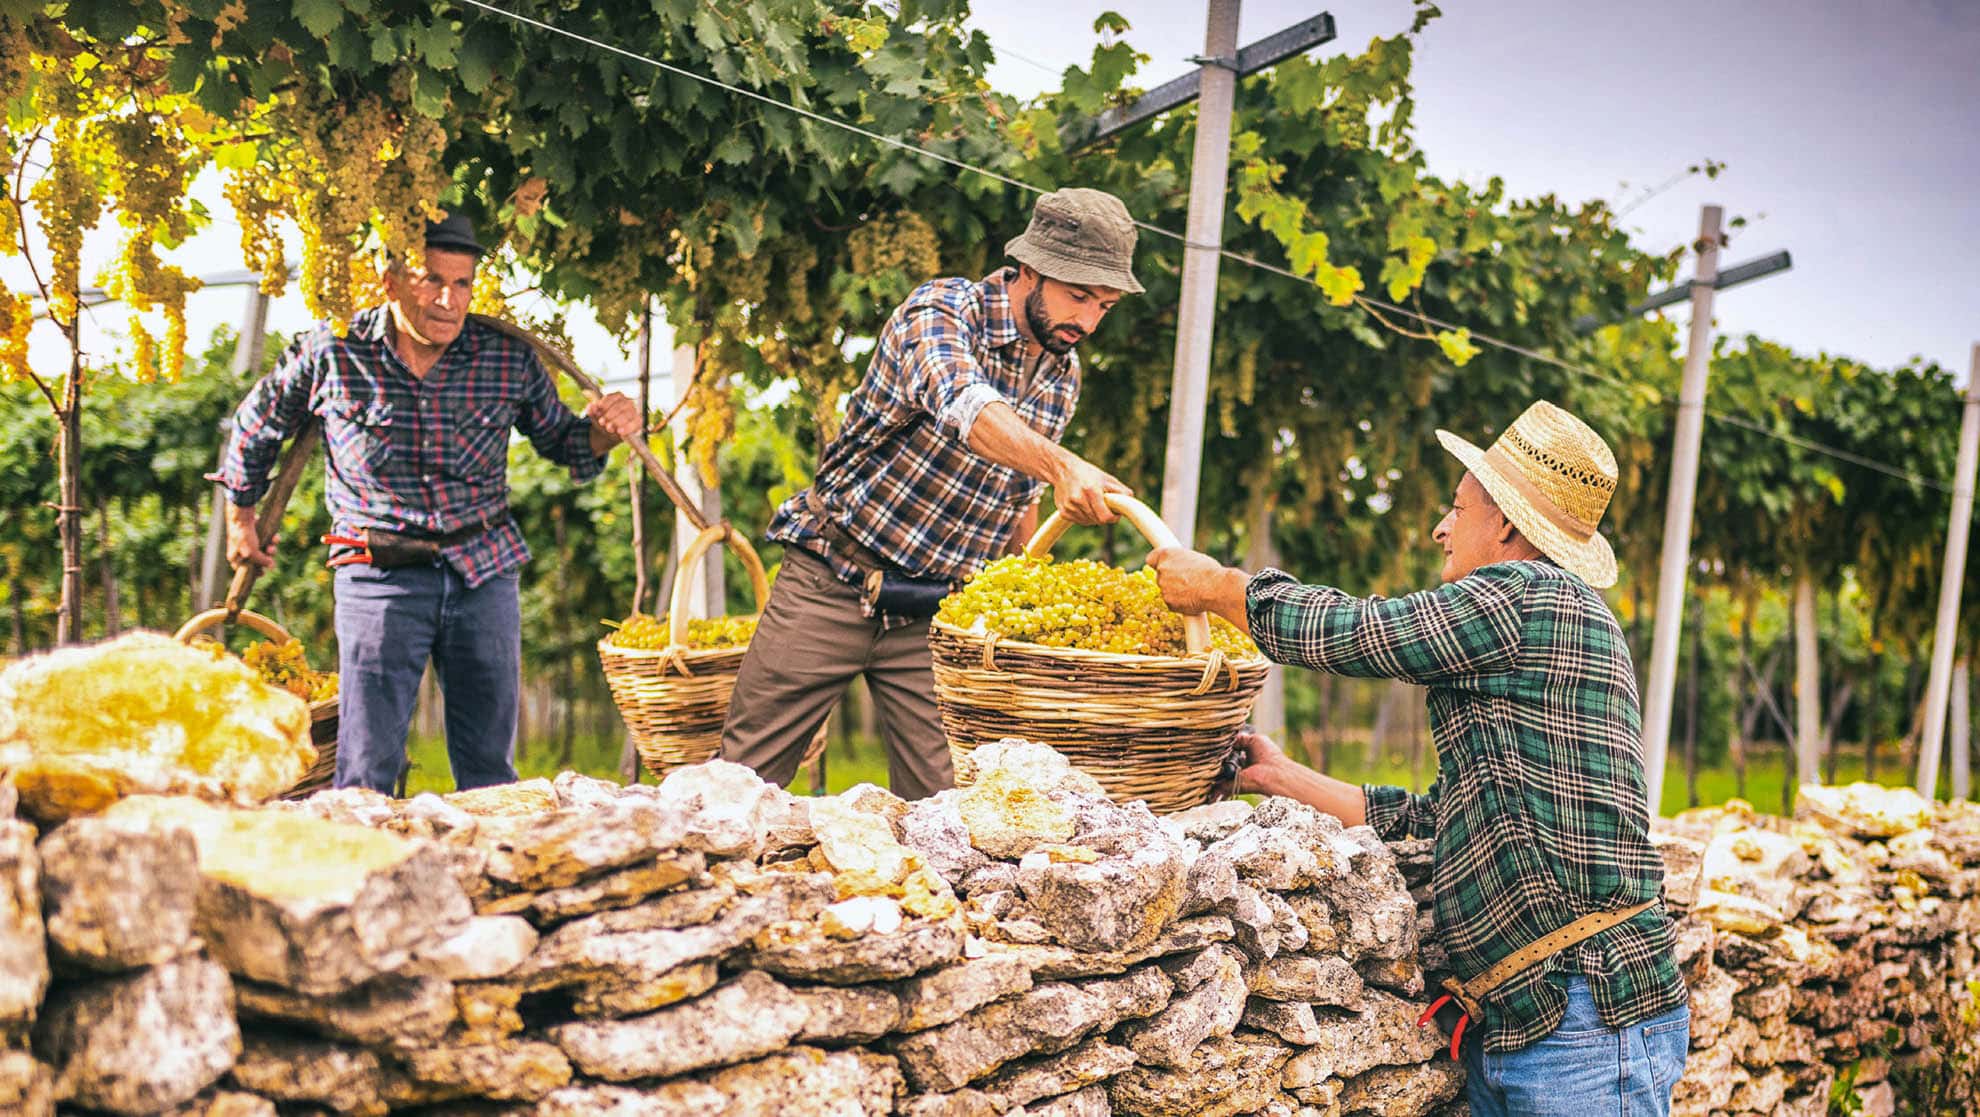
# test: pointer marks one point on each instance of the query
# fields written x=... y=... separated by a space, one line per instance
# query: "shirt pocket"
x=480 y=441
x=361 y=432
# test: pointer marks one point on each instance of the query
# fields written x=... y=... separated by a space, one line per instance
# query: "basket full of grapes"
x=671 y=676
x=280 y=661
x=1088 y=658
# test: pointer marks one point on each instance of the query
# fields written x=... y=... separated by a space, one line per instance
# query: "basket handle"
x=1196 y=626
x=214 y=617
x=759 y=585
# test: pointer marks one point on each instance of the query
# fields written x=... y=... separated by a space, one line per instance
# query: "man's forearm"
x=1339 y=798
x=998 y=434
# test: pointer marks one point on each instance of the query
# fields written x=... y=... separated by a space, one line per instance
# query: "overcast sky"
x=1850 y=132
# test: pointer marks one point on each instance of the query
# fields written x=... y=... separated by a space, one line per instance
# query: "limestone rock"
x=1119 y=903
x=1008 y=814
x=224 y=1103
x=314 y=906
x=1279 y=860
x=1299 y=977
x=117 y=900
x=1225 y=1076
x=23 y=945
x=750 y=1016
x=619 y=967
x=1050 y=1076
x=558 y=850
x=860 y=845
x=82 y=727
x=389 y=1010
x=27 y=1086
x=143 y=1041
x=1043 y=766
x=505 y=1071
x=727 y=807
x=617 y=888
x=1181 y=937
x=577 y=791
x=960 y=1103
x=1212 y=1007
x=1684 y=867
x=933 y=827
x=1213 y=822
x=1090 y=1102
x=489 y=946
x=950 y=993
x=800 y=1082
x=1292 y=1021
x=1212 y=884
x=1864 y=810
x=874 y=800
x=1403 y=1091
x=1349 y=1044
x=313 y=1072
x=1049 y=1018
x=1760 y=866
x=521 y=800
x=846 y=1014
x=804 y=952
x=441 y=818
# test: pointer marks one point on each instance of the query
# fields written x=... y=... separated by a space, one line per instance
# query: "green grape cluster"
x=643 y=631
x=1079 y=604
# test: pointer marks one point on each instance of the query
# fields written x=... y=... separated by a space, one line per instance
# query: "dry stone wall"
x=715 y=945
x=1808 y=944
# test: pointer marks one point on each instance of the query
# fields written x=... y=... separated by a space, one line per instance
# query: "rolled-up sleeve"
x=1396 y=813
x=558 y=433
x=933 y=339
x=1464 y=629
x=275 y=408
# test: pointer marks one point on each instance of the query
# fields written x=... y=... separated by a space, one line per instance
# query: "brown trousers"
x=811 y=641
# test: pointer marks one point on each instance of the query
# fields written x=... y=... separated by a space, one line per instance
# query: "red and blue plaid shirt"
x=900 y=479
x=425 y=455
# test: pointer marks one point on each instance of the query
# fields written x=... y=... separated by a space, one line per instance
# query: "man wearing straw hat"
x=947 y=443
x=1547 y=889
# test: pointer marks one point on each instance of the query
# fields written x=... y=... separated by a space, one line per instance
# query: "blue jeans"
x=389 y=624
x=1584 y=1068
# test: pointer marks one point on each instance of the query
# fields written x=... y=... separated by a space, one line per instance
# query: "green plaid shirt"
x=1539 y=810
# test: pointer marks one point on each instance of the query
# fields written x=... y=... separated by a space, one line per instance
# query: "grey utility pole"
x=1182 y=463
x=1946 y=633
x=1677 y=510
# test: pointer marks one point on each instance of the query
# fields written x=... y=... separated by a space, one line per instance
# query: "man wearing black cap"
x=947 y=443
x=417 y=403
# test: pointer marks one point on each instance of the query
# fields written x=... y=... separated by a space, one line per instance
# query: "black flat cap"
x=453 y=234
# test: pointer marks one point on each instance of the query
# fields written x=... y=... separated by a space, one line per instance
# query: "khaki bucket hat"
x=1552 y=476
x=1078 y=235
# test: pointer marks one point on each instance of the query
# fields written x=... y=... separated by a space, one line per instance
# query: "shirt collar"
x=1003 y=325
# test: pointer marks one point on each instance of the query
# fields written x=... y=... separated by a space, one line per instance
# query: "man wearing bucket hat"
x=947 y=443
x=1547 y=889
x=417 y=402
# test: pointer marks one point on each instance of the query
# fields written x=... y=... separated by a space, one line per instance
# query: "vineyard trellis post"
x=248 y=350
x=1182 y=462
x=1945 y=634
x=705 y=600
x=1807 y=683
x=629 y=751
x=1962 y=730
x=1677 y=511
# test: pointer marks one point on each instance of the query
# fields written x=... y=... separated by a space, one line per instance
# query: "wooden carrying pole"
x=559 y=360
x=1677 y=511
x=1946 y=633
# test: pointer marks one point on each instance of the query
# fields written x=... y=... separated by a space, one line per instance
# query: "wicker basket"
x=1150 y=727
x=322 y=715
x=675 y=699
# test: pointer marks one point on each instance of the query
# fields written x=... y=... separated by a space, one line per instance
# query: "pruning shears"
x=1453 y=992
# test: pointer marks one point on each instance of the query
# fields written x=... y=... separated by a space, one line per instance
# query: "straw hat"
x=1552 y=476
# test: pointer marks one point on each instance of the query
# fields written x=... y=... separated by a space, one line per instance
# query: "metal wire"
x=1239 y=257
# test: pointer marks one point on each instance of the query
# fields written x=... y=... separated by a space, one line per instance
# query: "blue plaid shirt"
x=427 y=455
x=900 y=478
